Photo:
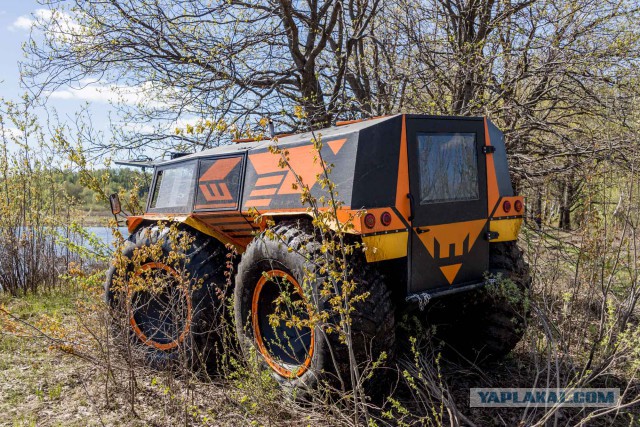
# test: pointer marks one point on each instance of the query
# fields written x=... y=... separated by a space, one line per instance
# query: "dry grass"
x=45 y=385
x=68 y=383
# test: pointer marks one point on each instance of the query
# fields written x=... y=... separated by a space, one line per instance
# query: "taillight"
x=370 y=220
x=518 y=205
x=506 y=206
x=385 y=218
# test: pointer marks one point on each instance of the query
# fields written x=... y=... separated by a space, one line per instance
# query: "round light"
x=385 y=218
x=370 y=220
x=506 y=206
x=518 y=205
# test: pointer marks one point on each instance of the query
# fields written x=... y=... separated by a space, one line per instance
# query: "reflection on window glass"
x=219 y=183
x=174 y=187
x=448 y=167
x=154 y=196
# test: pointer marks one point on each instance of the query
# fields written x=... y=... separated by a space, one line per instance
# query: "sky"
x=16 y=17
x=15 y=22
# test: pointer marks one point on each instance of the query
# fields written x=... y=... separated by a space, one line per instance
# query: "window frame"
x=240 y=182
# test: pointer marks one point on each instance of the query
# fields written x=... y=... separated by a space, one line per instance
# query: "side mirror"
x=114 y=201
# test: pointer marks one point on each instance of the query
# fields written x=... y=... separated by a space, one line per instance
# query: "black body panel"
x=376 y=170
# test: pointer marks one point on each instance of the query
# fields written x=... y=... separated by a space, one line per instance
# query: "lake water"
x=105 y=234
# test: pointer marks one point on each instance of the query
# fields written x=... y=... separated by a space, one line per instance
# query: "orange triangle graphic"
x=450 y=271
x=336 y=145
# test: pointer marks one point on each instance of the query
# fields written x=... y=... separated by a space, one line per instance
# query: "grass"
x=53 y=303
x=44 y=386
x=38 y=385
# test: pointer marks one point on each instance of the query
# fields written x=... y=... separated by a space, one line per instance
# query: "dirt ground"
x=44 y=385
x=41 y=385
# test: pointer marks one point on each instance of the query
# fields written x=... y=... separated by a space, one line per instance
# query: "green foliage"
x=43 y=205
x=114 y=180
x=505 y=290
x=32 y=204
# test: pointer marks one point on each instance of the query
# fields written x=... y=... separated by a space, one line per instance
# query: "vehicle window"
x=173 y=190
x=219 y=183
x=448 y=167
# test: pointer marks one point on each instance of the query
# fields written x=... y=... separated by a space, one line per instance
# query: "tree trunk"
x=537 y=210
x=565 y=205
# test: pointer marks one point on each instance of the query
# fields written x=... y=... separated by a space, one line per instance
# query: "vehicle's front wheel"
x=283 y=310
x=165 y=298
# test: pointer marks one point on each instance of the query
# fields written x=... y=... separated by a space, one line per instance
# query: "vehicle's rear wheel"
x=278 y=307
x=168 y=307
x=489 y=323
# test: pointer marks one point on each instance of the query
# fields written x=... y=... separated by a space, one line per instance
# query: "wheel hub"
x=160 y=317
x=280 y=324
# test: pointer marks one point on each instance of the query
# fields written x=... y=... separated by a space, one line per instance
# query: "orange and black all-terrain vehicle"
x=429 y=199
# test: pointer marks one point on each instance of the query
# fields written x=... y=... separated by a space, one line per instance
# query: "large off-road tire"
x=489 y=323
x=309 y=355
x=178 y=324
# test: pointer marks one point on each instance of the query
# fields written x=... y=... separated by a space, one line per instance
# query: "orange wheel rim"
x=136 y=328
x=257 y=333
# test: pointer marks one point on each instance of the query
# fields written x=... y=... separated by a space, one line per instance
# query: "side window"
x=173 y=190
x=448 y=167
x=219 y=184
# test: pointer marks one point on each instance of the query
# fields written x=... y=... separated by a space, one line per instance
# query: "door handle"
x=411 y=203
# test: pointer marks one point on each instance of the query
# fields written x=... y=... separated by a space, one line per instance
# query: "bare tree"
x=221 y=60
x=550 y=73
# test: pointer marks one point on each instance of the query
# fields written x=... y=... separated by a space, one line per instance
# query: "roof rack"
x=264 y=138
x=241 y=140
x=350 y=122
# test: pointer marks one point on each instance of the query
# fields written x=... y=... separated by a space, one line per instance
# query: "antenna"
x=272 y=132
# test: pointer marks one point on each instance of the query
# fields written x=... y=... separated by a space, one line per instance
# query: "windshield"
x=173 y=189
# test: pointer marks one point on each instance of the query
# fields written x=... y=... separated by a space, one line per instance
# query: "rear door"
x=447 y=181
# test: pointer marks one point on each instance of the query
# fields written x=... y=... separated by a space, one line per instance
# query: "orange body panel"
x=220 y=169
x=451 y=240
x=402 y=187
x=493 y=194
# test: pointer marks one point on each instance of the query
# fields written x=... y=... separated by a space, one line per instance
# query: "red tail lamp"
x=518 y=205
x=370 y=220
x=506 y=206
x=385 y=218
